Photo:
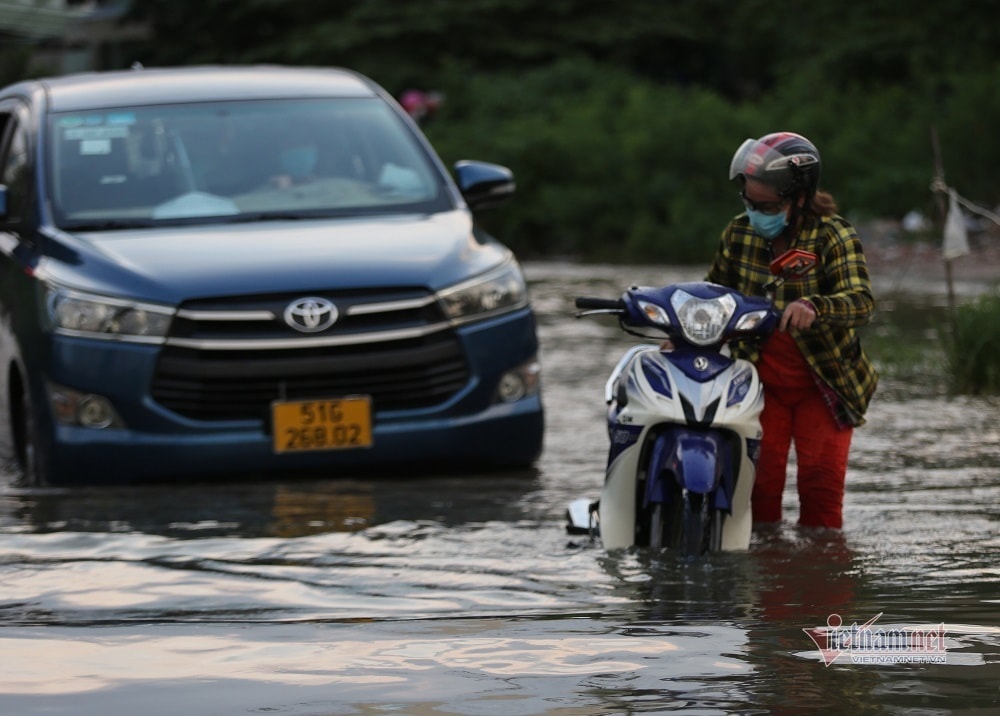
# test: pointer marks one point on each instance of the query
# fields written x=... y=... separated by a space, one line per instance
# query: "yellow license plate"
x=333 y=424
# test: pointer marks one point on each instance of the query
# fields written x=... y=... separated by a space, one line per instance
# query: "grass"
x=905 y=340
x=973 y=353
x=919 y=342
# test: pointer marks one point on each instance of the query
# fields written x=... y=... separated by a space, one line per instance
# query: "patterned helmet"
x=788 y=163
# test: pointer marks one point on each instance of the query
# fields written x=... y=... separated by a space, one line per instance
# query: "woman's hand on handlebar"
x=799 y=315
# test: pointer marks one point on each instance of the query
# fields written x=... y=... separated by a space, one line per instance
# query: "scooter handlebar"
x=592 y=303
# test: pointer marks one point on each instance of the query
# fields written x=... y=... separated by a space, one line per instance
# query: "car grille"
x=228 y=360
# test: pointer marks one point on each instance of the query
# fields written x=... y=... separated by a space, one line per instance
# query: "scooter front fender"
x=698 y=467
x=691 y=457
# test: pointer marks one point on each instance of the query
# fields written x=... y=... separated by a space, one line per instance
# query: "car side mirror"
x=484 y=185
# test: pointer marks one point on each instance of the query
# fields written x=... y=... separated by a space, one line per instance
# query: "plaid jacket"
x=839 y=288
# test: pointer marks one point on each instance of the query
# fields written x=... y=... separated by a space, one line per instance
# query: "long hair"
x=822 y=203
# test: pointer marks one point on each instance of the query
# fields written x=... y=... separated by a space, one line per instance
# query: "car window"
x=233 y=160
x=14 y=169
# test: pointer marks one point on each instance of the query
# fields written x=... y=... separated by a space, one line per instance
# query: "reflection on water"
x=464 y=595
x=288 y=508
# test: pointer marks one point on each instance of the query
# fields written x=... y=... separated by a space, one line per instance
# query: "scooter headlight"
x=703 y=321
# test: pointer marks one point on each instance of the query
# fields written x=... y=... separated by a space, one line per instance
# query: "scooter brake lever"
x=597 y=311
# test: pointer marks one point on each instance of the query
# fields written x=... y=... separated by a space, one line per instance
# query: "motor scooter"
x=683 y=416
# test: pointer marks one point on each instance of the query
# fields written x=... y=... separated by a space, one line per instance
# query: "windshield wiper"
x=264 y=216
x=105 y=225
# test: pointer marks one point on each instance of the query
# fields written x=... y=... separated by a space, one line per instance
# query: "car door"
x=17 y=253
x=19 y=257
x=15 y=166
x=18 y=221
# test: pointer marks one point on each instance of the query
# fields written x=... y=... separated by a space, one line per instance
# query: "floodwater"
x=465 y=595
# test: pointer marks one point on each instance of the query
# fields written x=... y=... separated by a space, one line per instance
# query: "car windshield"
x=237 y=161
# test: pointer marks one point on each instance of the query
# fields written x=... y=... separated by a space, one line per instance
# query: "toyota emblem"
x=311 y=315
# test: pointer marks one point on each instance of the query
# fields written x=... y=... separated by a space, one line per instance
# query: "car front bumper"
x=473 y=428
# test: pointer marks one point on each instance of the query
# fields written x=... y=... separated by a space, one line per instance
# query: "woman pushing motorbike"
x=817 y=379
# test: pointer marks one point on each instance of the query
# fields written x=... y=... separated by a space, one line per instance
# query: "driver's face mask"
x=299 y=162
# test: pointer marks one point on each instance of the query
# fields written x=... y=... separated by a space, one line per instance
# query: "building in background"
x=43 y=37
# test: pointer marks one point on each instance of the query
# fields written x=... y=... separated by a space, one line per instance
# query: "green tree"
x=619 y=120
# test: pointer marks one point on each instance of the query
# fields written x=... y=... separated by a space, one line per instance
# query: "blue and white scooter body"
x=683 y=417
x=697 y=415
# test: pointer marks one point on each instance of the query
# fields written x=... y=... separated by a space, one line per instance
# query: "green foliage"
x=973 y=353
x=619 y=120
x=13 y=62
x=965 y=110
x=875 y=144
x=874 y=45
x=404 y=42
x=901 y=342
x=611 y=166
x=608 y=166
x=960 y=356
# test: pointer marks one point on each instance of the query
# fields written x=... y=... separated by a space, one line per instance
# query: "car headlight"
x=80 y=314
x=498 y=291
x=703 y=320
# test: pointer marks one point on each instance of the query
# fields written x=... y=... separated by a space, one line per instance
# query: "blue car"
x=231 y=271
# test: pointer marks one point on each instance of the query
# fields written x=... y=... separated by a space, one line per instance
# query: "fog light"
x=519 y=382
x=95 y=412
x=71 y=407
x=511 y=387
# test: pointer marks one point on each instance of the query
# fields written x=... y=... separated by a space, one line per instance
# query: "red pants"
x=795 y=411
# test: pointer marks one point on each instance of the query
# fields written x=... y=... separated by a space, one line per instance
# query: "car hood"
x=175 y=264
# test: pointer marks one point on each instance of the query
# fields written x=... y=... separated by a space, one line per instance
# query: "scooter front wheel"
x=686 y=523
x=693 y=530
x=663 y=524
x=656 y=526
x=701 y=531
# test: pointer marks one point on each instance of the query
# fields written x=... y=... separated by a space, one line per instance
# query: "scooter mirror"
x=794 y=263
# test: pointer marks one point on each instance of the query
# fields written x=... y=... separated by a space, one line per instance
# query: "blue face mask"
x=768 y=225
x=299 y=162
